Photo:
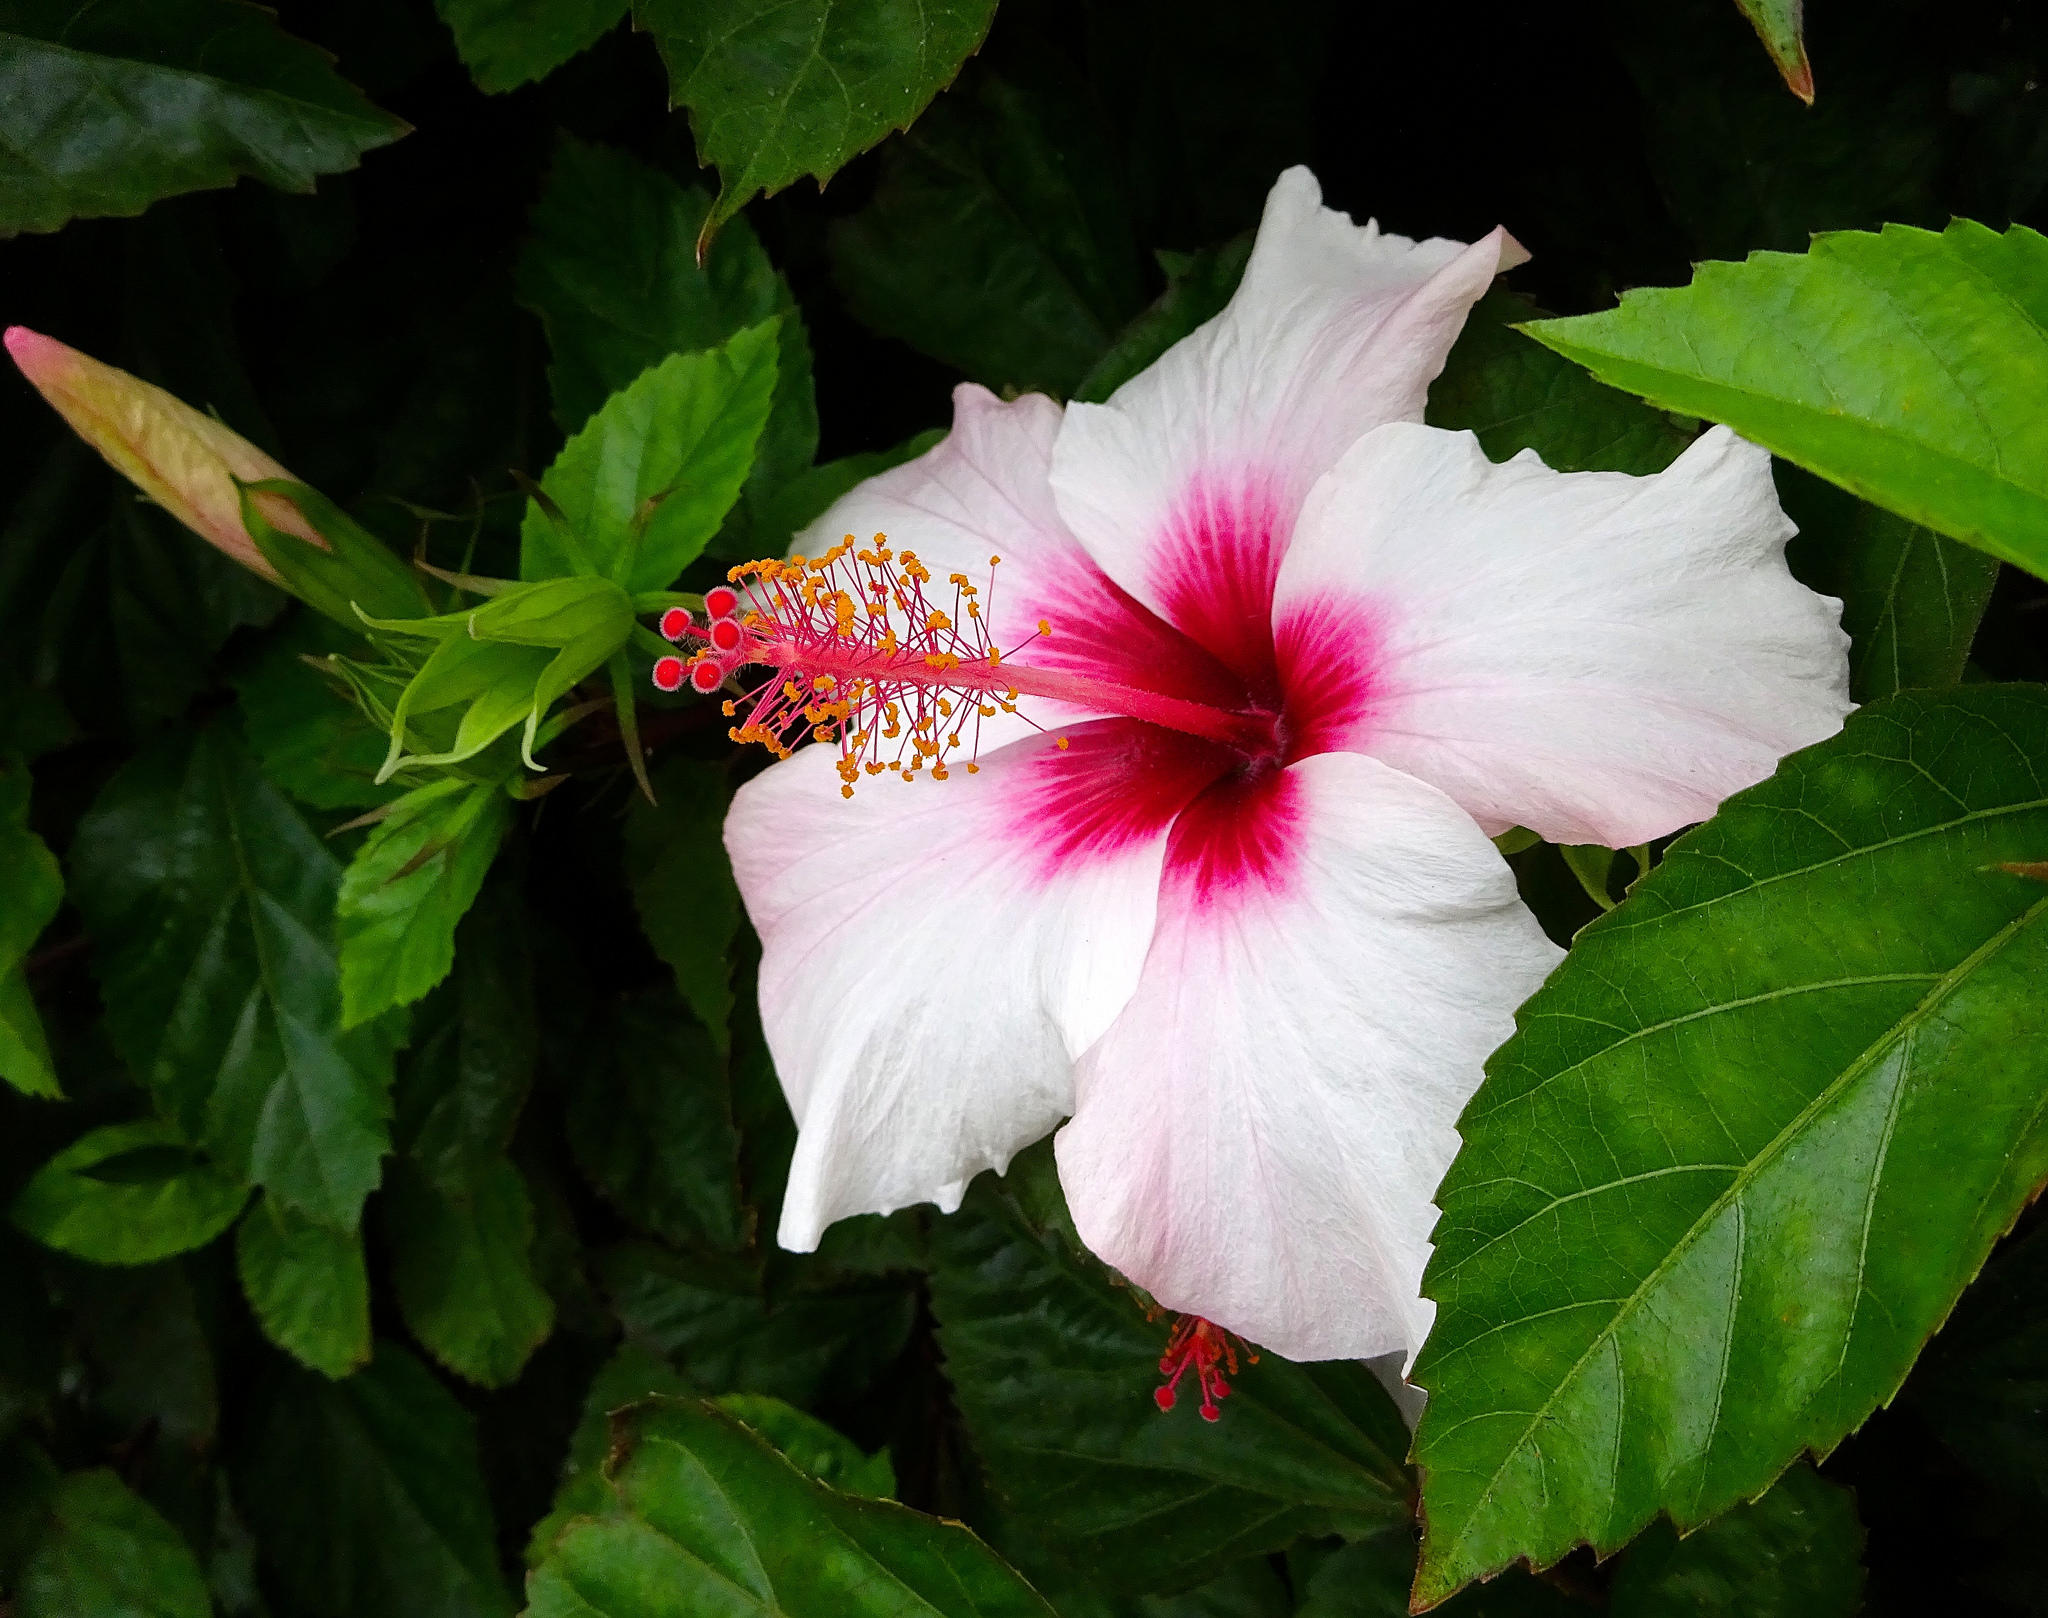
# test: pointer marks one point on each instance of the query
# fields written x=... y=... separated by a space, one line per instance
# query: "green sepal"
x=356 y=571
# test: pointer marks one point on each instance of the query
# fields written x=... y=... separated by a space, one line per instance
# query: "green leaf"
x=367 y=1496
x=308 y=733
x=794 y=1333
x=778 y=91
x=1781 y=25
x=108 y=106
x=805 y=498
x=128 y=1194
x=1054 y=1365
x=1002 y=198
x=1198 y=286
x=408 y=886
x=811 y=1447
x=307 y=1285
x=1904 y=366
x=145 y=1346
x=1747 y=1145
x=1795 y=1553
x=107 y=1552
x=651 y=1125
x=632 y=1374
x=31 y=890
x=647 y=481
x=507 y=43
x=683 y=888
x=704 y=1516
x=211 y=907
x=1515 y=395
x=462 y=1261
x=1911 y=599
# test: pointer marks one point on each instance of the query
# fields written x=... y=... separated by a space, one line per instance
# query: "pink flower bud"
x=185 y=461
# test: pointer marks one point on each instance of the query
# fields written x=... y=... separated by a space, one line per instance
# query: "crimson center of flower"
x=864 y=651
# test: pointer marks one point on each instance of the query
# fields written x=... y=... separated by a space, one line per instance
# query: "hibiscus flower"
x=1263 y=667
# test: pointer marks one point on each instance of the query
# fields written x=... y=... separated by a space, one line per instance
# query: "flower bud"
x=184 y=460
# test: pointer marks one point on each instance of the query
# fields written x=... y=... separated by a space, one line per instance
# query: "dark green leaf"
x=683 y=887
x=632 y=1374
x=211 y=906
x=1516 y=395
x=1795 y=1553
x=1904 y=366
x=704 y=1516
x=507 y=43
x=612 y=272
x=31 y=890
x=1198 y=286
x=310 y=736
x=646 y=482
x=717 y=1316
x=1911 y=599
x=778 y=91
x=367 y=1496
x=128 y=1194
x=1781 y=25
x=1748 y=1143
x=407 y=888
x=811 y=1447
x=462 y=1260
x=107 y=106
x=804 y=498
x=1371 y=1580
x=106 y=1553
x=307 y=1285
x=996 y=241
x=144 y=1338
x=1054 y=1364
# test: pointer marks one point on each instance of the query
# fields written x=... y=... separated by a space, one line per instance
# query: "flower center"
x=866 y=652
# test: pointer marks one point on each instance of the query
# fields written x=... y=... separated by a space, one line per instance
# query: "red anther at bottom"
x=1207 y=1347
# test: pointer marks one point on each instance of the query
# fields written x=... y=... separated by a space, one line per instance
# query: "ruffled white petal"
x=1258 y=1136
x=1600 y=658
x=925 y=979
x=1203 y=460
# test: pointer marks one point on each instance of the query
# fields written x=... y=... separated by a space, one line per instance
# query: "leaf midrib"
x=1906 y=1026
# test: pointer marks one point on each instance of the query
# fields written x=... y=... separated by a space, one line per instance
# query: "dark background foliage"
x=371 y=335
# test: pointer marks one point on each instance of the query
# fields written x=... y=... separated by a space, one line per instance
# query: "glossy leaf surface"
x=1747 y=1145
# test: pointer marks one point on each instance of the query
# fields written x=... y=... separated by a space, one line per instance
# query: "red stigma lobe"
x=1206 y=1348
x=668 y=674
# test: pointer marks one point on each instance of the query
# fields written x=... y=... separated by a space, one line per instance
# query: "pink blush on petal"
x=1332 y=656
x=1116 y=783
x=1241 y=837
x=1217 y=562
x=1099 y=629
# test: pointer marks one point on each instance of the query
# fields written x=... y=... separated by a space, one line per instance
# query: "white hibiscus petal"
x=1600 y=658
x=1258 y=1136
x=1185 y=485
x=934 y=955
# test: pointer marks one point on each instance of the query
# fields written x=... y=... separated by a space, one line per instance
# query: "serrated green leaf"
x=632 y=1374
x=507 y=43
x=811 y=1447
x=111 y=104
x=407 y=889
x=1781 y=25
x=778 y=91
x=31 y=890
x=720 y=1319
x=1515 y=395
x=646 y=482
x=106 y=1551
x=128 y=1194
x=462 y=1261
x=367 y=1496
x=1904 y=366
x=612 y=272
x=1198 y=287
x=211 y=907
x=1795 y=1553
x=683 y=888
x=1002 y=198
x=307 y=1285
x=1054 y=1365
x=1747 y=1144
x=1911 y=599
x=705 y=1516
